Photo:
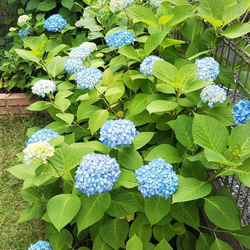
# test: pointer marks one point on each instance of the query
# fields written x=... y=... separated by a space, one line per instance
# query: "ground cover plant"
x=12 y=140
x=140 y=115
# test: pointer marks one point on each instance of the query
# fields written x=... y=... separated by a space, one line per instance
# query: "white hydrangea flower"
x=23 y=19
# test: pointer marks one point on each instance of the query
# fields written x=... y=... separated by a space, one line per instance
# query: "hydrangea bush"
x=140 y=117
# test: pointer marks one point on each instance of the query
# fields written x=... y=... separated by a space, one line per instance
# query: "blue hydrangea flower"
x=156 y=3
x=147 y=65
x=119 y=38
x=43 y=87
x=73 y=65
x=118 y=5
x=213 y=94
x=87 y=78
x=90 y=45
x=157 y=178
x=80 y=52
x=116 y=133
x=241 y=112
x=42 y=135
x=55 y=23
x=37 y=152
x=207 y=69
x=25 y=32
x=40 y=245
x=96 y=174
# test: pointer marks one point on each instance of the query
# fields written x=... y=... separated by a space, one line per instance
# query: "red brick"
x=2 y=100
x=20 y=99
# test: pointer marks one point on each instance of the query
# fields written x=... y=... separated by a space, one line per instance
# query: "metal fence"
x=234 y=55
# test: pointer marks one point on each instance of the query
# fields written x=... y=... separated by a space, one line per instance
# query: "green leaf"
x=94 y=146
x=161 y=106
x=141 y=227
x=52 y=53
x=212 y=11
x=114 y=91
x=191 y=189
x=165 y=71
x=129 y=51
x=23 y=171
x=183 y=132
x=236 y=30
x=97 y=119
x=239 y=139
x=62 y=104
x=26 y=55
x=210 y=133
x=61 y=240
x=47 y=5
x=31 y=194
x=154 y=41
x=138 y=104
x=100 y=244
x=220 y=245
x=243 y=236
x=204 y=242
x=84 y=111
x=92 y=210
x=129 y=158
x=26 y=215
x=66 y=117
x=62 y=209
x=126 y=179
x=180 y=14
x=187 y=213
x=243 y=172
x=134 y=243
x=39 y=106
x=165 y=151
x=142 y=139
x=222 y=114
x=68 y=4
x=163 y=245
x=235 y=11
x=143 y=14
x=56 y=66
x=222 y=212
x=212 y=156
x=123 y=203
x=58 y=126
x=114 y=232
x=161 y=232
x=156 y=208
x=74 y=157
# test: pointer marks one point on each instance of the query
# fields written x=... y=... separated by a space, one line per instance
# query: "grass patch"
x=12 y=141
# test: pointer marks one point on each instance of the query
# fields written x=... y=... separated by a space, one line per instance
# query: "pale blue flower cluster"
x=80 y=52
x=241 y=112
x=55 y=23
x=87 y=78
x=37 y=152
x=157 y=178
x=116 y=133
x=147 y=65
x=207 y=69
x=40 y=245
x=43 y=134
x=90 y=45
x=118 y=5
x=96 y=174
x=213 y=94
x=25 y=32
x=43 y=87
x=119 y=38
x=73 y=65
x=156 y=3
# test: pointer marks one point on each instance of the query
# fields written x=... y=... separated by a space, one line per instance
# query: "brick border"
x=16 y=103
